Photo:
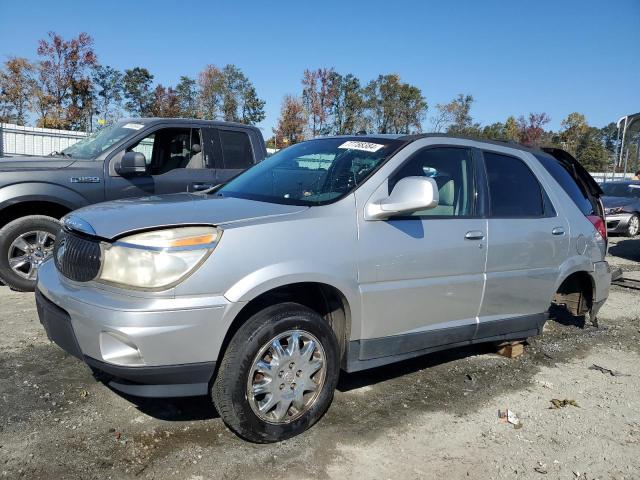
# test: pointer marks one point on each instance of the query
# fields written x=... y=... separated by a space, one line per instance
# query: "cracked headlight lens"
x=157 y=259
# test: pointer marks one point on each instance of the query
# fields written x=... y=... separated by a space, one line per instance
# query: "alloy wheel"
x=634 y=225
x=28 y=251
x=286 y=377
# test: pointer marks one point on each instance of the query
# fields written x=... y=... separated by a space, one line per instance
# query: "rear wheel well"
x=25 y=209
x=324 y=299
x=576 y=293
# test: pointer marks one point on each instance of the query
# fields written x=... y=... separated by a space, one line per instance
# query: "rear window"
x=573 y=188
x=514 y=192
x=236 y=149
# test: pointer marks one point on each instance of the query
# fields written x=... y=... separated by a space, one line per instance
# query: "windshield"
x=313 y=172
x=621 y=189
x=101 y=140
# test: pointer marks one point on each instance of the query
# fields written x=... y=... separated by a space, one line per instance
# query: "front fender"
x=287 y=273
x=41 y=192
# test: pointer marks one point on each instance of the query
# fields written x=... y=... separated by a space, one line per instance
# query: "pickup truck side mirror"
x=132 y=163
x=409 y=195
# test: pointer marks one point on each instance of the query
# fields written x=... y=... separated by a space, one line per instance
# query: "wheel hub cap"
x=28 y=251
x=286 y=377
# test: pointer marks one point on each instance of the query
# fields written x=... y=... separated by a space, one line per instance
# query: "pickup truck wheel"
x=24 y=244
x=278 y=374
x=633 y=226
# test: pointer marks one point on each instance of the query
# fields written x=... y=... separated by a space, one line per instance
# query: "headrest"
x=196 y=148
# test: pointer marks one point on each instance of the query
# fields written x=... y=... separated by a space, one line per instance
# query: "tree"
x=65 y=93
x=459 y=109
x=108 y=88
x=393 y=106
x=137 y=91
x=348 y=104
x=17 y=86
x=187 y=93
x=574 y=128
x=291 y=123
x=318 y=94
x=591 y=151
x=252 y=107
x=166 y=102
x=531 y=128
x=495 y=131
x=211 y=82
x=511 y=129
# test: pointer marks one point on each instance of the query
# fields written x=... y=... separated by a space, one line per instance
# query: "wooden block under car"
x=511 y=349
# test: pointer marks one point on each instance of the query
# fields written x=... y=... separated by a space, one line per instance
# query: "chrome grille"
x=76 y=257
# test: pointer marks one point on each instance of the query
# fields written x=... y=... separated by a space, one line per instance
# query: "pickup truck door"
x=176 y=161
x=229 y=150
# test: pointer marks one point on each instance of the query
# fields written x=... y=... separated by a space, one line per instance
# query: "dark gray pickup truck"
x=135 y=157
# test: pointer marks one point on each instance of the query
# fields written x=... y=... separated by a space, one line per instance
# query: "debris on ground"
x=508 y=416
x=84 y=393
x=541 y=468
x=556 y=403
x=604 y=370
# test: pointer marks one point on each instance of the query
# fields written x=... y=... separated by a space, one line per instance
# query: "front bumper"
x=617 y=223
x=152 y=346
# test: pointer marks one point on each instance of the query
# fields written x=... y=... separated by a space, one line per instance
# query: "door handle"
x=474 y=235
x=558 y=231
x=198 y=187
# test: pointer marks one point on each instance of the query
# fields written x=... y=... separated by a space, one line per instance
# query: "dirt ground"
x=433 y=417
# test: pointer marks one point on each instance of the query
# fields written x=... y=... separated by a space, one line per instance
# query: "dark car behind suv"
x=135 y=157
x=622 y=206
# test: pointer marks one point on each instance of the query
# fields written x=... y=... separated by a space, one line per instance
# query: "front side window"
x=170 y=148
x=514 y=191
x=451 y=168
x=313 y=172
x=621 y=189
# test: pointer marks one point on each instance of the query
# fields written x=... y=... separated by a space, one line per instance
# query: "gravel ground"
x=433 y=417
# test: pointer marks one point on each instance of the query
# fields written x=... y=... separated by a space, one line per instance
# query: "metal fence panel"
x=16 y=140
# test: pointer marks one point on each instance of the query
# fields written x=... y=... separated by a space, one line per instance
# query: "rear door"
x=237 y=153
x=527 y=243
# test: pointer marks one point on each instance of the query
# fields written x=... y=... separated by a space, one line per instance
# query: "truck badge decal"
x=85 y=179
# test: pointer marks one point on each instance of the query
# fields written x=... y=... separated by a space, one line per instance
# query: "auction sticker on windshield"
x=364 y=146
x=133 y=126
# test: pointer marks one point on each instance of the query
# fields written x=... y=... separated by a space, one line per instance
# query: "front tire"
x=633 y=226
x=24 y=244
x=278 y=374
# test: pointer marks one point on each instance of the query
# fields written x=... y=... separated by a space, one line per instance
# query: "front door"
x=422 y=275
x=527 y=243
x=175 y=163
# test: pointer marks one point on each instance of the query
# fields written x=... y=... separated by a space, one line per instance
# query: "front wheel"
x=633 y=226
x=278 y=375
x=24 y=244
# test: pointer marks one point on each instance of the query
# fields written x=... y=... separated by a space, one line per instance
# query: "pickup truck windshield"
x=99 y=141
x=315 y=172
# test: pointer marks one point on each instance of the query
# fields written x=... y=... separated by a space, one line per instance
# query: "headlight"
x=615 y=210
x=157 y=259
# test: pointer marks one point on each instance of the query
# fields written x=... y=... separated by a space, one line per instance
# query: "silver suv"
x=336 y=253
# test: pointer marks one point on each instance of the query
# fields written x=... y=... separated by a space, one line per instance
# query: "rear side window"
x=236 y=149
x=577 y=193
x=514 y=192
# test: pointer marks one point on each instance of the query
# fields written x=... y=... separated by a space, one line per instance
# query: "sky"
x=514 y=57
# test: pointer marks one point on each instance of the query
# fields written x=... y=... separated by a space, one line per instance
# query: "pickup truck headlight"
x=157 y=259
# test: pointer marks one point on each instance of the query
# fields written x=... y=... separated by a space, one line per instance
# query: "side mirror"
x=132 y=163
x=409 y=195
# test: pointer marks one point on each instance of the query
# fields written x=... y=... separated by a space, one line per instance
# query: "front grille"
x=76 y=257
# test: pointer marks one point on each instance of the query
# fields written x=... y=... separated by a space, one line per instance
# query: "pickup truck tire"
x=28 y=240
x=284 y=359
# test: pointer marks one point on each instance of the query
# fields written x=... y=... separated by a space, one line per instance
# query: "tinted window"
x=513 y=189
x=451 y=169
x=236 y=149
x=568 y=184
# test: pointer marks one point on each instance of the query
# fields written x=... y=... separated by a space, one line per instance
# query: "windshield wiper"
x=59 y=154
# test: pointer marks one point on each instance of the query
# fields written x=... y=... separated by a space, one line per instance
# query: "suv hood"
x=33 y=163
x=110 y=220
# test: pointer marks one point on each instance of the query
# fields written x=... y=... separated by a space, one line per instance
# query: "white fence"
x=609 y=177
x=20 y=141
